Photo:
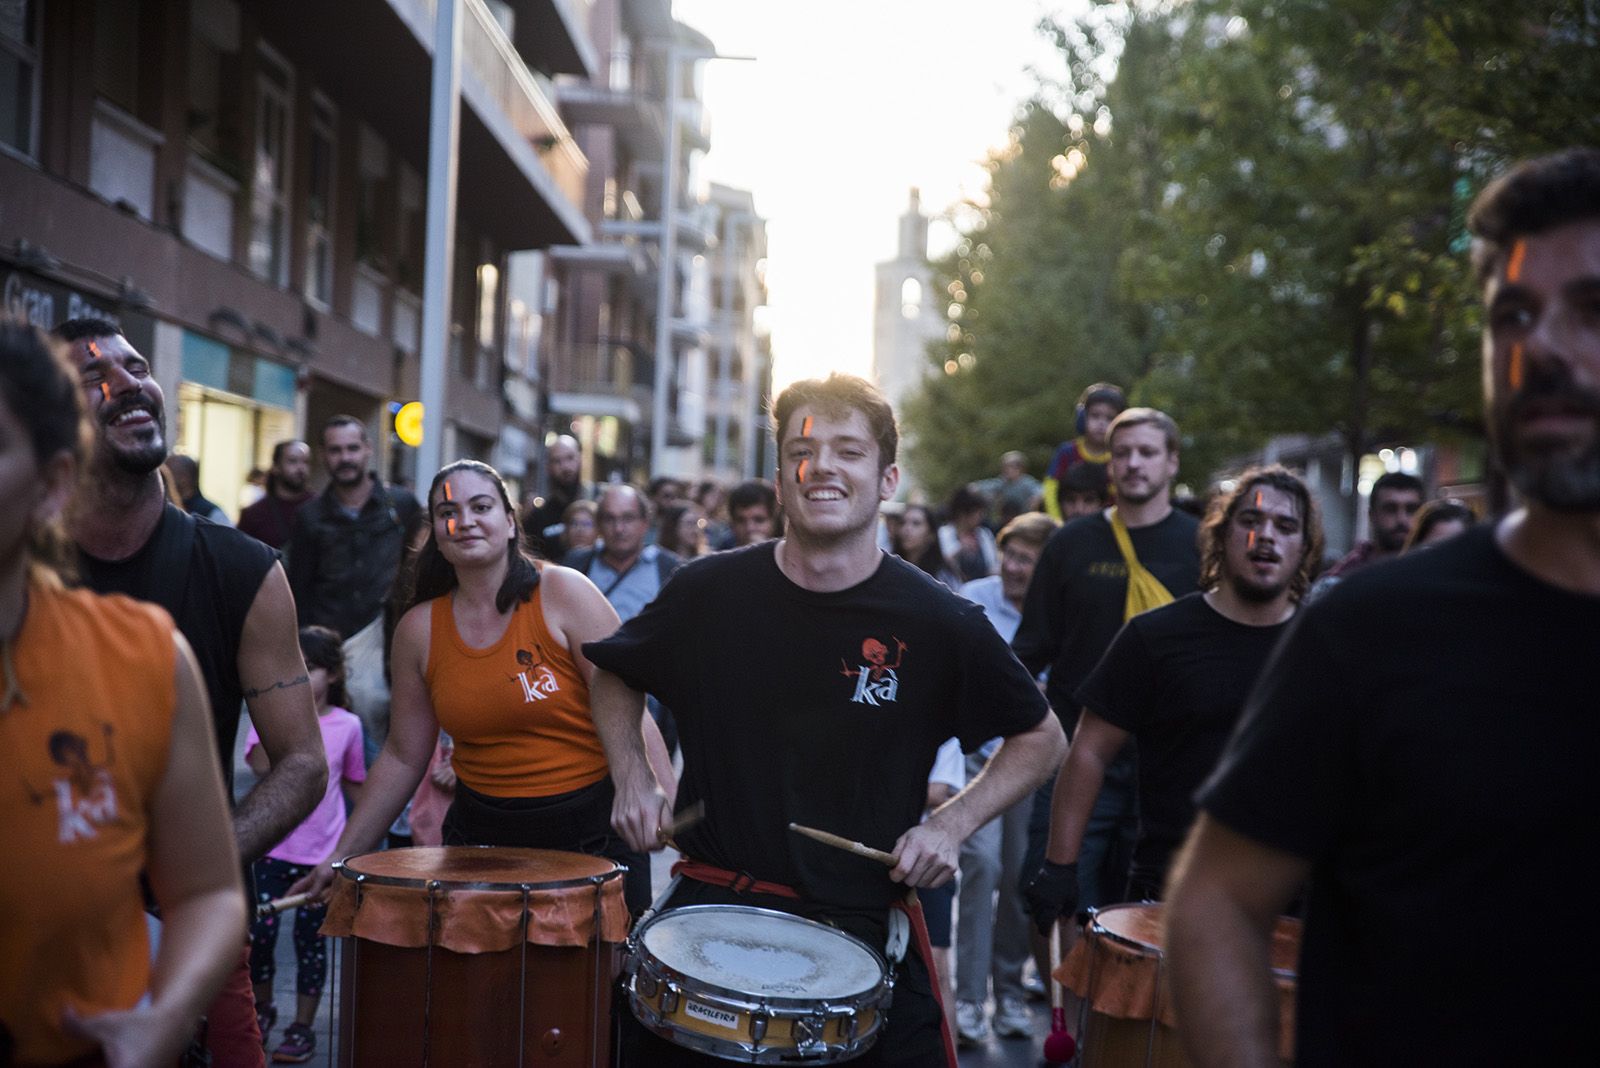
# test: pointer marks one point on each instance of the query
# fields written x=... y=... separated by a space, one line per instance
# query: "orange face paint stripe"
x=1258 y=498
x=800 y=471
x=1519 y=252
x=1514 y=372
x=1250 y=542
x=805 y=427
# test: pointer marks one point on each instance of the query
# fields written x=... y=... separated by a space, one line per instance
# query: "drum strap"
x=738 y=881
x=745 y=883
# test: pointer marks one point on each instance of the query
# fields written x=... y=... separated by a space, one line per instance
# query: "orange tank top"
x=517 y=710
x=83 y=757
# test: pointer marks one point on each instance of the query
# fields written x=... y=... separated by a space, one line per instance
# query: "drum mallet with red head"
x=1059 y=1045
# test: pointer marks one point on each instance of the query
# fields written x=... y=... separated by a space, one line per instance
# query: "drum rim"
x=862 y=997
x=1099 y=930
x=341 y=869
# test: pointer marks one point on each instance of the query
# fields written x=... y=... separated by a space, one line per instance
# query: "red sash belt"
x=744 y=883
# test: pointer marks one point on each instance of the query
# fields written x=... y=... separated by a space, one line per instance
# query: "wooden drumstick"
x=682 y=822
x=860 y=849
x=282 y=904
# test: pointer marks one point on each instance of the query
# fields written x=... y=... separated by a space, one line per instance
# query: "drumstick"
x=282 y=904
x=858 y=848
x=680 y=823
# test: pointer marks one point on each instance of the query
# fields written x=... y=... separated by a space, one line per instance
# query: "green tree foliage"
x=1251 y=213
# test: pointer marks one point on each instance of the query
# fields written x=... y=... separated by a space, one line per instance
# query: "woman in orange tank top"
x=110 y=770
x=489 y=649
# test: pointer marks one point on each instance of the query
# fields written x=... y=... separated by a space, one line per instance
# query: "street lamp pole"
x=666 y=271
x=444 y=124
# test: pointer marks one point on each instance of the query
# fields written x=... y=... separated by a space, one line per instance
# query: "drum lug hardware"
x=809 y=1032
x=758 y=1024
x=669 y=998
x=645 y=983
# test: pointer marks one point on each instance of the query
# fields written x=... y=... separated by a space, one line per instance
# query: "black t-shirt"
x=1427 y=736
x=1176 y=678
x=208 y=591
x=824 y=709
x=1080 y=587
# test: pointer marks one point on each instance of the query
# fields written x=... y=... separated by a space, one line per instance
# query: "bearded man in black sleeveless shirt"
x=228 y=595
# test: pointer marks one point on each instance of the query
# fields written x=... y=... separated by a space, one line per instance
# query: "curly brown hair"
x=1213 y=533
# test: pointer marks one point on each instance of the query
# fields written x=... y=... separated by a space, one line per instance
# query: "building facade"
x=240 y=184
x=618 y=305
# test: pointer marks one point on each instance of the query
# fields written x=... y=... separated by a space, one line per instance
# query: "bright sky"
x=847 y=106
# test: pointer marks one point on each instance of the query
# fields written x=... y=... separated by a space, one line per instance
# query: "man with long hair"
x=1175 y=679
x=1422 y=745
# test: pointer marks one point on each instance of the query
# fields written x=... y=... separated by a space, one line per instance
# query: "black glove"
x=1051 y=894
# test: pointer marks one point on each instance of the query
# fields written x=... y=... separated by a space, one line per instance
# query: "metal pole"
x=730 y=271
x=444 y=115
x=668 y=271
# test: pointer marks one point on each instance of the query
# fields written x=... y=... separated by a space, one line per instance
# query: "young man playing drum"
x=1422 y=745
x=1176 y=679
x=814 y=679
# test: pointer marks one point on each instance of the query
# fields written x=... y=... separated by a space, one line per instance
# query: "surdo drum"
x=1127 y=1018
x=477 y=956
x=755 y=985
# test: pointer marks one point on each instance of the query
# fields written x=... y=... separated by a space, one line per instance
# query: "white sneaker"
x=1012 y=1019
x=971 y=1027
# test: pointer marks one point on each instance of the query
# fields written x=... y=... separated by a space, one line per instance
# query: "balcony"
x=521 y=101
x=521 y=174
x=600 y=378
x=555 y=33
x=635 y=110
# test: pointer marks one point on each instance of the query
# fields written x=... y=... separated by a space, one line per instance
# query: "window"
x=214 y=120
x=119 y=66
x=269 y=179
x=412 y=235
x=319 y=203
x=372 y=170
x=911 y=298
x=19 y=75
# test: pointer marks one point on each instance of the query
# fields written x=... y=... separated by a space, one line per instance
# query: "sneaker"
x=266 y=1018
x=1013 y=1019
x=1033 y=988
x=298 y=1046
x=971 y=1027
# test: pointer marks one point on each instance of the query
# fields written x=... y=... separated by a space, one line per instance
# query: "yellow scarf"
x=1144 y=589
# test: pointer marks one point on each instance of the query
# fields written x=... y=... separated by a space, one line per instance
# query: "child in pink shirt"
x=306 y=846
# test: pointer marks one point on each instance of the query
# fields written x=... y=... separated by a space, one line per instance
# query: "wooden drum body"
x=1118 y=969
x=476 y=956
x=756 y=986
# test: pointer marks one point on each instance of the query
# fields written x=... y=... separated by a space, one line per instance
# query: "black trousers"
x=576 y=822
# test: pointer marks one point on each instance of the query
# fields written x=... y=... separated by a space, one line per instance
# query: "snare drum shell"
x=443 y=953
x=1117 y=968
x=704 y=1016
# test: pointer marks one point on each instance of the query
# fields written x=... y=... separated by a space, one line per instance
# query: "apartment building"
x=240 y=184
x=617 y=297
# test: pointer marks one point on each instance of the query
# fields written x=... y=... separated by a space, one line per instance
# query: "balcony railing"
x=611 y=368
x=518 y=92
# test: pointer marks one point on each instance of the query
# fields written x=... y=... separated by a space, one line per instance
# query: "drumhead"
x=762 y=953
x=478 y=867
x=1142 y=926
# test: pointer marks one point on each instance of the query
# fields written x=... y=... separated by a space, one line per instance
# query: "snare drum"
x=755 y=985
x=1127 y=1016
x=476 y=955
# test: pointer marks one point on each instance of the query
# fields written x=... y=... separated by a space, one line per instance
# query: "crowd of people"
x=1393 y=744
